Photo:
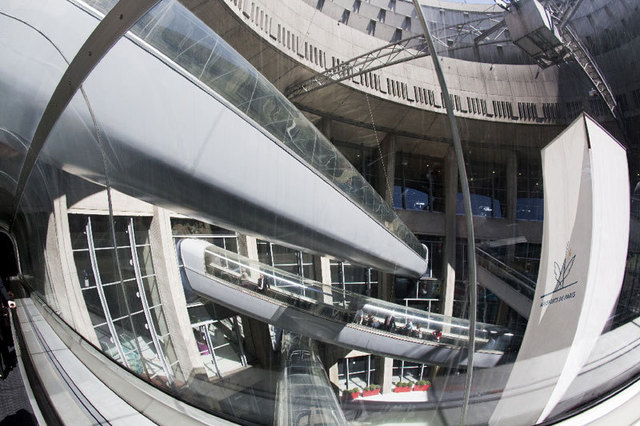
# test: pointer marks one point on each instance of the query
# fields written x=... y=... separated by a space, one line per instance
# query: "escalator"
x=510 y=286
x=332 y=315
x=305 y=395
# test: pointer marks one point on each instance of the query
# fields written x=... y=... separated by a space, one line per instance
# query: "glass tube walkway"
x=333 y=315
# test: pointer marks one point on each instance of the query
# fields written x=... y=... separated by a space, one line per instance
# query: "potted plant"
x=352 y=393
x=371 y=390
x=402 y=387
x=422 y=385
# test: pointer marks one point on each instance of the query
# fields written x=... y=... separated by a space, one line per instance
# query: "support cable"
x=466 y=198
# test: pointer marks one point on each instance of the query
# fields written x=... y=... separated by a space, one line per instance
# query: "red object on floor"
x=421 y=387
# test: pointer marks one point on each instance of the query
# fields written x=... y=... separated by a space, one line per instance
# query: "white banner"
x=584 y=249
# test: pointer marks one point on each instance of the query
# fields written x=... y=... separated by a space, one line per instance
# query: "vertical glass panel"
x=145 y=261
x=159 y=321
x=127 y=268
x=107 y=342
x=84 y=268
x=101 y=231
x=141 y=227
x=107 y=265
x=151 y=290
x=94 y=306
x=133 y=295
x=77 y=224
x=115 y=299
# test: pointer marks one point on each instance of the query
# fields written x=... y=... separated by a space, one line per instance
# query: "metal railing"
x=337 y=304
x=515 y=279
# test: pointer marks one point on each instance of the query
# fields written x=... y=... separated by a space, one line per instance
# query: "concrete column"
x=174 y=304
x=384 y=185
x=502 y=316
x=64 y=275
x=384 y=373
x=322 y=272
x=449 y=250
x=331 y=355
x=332 y=372
x=512 y=198
x=248 y=247
x=384 y=365
x=387 y=168
x=326 y=127
x=256 y=333
x=512 y=185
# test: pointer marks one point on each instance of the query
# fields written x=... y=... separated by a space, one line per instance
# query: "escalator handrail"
x=522 y=280
x=402 y=313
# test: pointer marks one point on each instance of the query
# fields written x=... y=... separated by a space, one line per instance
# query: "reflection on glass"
x=188 y=42
x=118 y=297
x=349 y=307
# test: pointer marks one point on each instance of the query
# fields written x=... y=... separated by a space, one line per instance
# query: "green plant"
x=403 y=384
x=423 y=382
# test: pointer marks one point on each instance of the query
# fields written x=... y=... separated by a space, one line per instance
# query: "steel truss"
x=391 y=54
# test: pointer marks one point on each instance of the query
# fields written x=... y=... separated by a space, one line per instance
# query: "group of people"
x=263 y=284
x=389 y=324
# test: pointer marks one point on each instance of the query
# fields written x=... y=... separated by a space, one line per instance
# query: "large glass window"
x=285 y=258
x=120 y=290
x=217 y=330
x=354 y=278
x=419 y=183
x=530 y=204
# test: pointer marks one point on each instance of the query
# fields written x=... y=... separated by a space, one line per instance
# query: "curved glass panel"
x=335 y=304
x=192 y=45
x=554 y=176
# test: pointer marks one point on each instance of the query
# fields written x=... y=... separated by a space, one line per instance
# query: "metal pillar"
x=450 y=234
x=466 y=197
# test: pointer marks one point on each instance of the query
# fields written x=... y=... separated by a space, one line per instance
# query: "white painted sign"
x=584 y=249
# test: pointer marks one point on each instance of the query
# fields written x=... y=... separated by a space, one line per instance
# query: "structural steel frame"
x=391 y=54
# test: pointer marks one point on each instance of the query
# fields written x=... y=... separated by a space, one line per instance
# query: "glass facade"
x=285 y=258
x=553 y=175
x=354 y=278
x=120 y=290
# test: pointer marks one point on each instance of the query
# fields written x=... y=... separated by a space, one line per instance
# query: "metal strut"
x=582 y=56
x=391 y=54
x=561 y=13
x=466 y=200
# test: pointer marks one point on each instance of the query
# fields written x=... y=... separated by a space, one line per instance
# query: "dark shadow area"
x=21 y=417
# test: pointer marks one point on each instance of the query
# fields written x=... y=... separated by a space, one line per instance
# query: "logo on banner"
x=561 y=274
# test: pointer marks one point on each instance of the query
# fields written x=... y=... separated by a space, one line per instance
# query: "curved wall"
x=490 y=92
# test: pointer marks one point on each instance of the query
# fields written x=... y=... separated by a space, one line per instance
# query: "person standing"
x=6 y=300
x=7 y=361
x=264 y=284
x=359 y=316
x=390 y=323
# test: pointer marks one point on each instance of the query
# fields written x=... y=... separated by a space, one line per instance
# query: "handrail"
x=514 y=278
x=337 y=304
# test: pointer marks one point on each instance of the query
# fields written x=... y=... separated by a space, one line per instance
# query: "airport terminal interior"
x=321 y=212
